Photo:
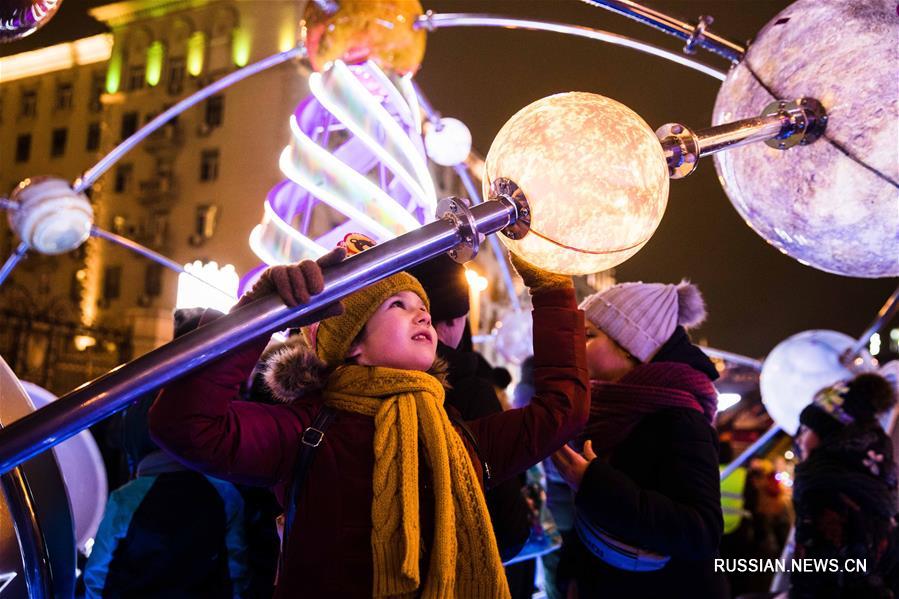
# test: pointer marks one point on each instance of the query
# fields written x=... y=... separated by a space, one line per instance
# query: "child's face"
x=398 y=335
x=606 y=361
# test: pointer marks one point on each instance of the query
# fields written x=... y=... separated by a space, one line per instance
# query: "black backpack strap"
x=311 y=438
x=469 y=434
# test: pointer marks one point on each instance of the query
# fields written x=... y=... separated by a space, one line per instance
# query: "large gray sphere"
x=833 y=204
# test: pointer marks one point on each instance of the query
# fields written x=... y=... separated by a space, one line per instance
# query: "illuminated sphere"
x=83 y=473
x=832 y=204
x=449 y=144
x=50 y=217
x=19 y=18
x=801 y=366
x=361 y=30
x=594 y=176
x=513 y=336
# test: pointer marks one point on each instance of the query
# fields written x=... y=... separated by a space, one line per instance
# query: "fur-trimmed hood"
x=294 y=372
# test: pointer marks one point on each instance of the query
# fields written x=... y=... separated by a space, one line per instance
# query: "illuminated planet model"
x=833 y=204
x=594 y=176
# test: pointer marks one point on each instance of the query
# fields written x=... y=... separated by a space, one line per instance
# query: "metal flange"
x=509 y=190
x=456 y=211
x=807 y=121
x=681 y=148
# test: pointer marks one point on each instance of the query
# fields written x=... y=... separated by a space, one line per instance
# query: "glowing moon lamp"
x=447 y=143
x=50 y=217
x=594 y=176
x=83 y=473
x=358 y=30
x=801 y=366
x=514 y=336
x=831 y=204
x=19 y=18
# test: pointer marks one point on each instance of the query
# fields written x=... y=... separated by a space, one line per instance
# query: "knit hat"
x=843 y=403
x=641 y=317
x=444 y=281
x=332 y=338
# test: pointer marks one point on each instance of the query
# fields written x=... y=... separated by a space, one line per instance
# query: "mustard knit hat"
x=332 y=338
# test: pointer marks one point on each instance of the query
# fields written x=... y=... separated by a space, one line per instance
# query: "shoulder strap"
x=469 y=434
x=311 y=438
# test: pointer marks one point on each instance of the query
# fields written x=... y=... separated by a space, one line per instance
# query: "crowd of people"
x=374 y=453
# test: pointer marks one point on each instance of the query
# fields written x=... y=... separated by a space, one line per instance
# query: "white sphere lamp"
x=50 y=216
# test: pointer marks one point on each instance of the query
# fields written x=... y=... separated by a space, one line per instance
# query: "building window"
x=93 y=137
x=209 y=165
x=98 y=85
x=176 y=75
x=23 y=147
x=215 y=111
x=28 y=103
x=123 y=177
x=64 y=94
x=112 y=282
x=129 y=124
x=58 y=142
x=153 y=280
x=137 y=74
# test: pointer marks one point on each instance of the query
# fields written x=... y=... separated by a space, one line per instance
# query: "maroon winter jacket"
x=330 y=547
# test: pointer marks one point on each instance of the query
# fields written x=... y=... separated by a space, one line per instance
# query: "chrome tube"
x=886 y=312
x=95 y=172
x=731 y=357
x=113 y=391
x=17 y=256
x=431 y=21
x=694 y=35
x=740 y=133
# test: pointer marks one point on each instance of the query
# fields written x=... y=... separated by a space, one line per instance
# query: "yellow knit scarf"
x=464 y=560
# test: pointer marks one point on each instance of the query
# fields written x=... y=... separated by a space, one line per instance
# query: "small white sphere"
x=449 y=143
x=50 y=217
x=801 y=366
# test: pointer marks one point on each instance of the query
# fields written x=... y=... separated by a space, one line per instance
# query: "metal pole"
x=431 y=21
x=693 y=35
x=887 y=311
x=17 y=255
x=94 y=173
x=750 y=451
x=96 y=400
x=731 y=357
x=740 y=133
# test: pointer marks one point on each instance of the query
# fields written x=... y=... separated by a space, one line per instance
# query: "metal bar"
x=886 y=312
x=17 y=255
x=96 y=171
x=96 y=400
x=475 y=196
x=731 y=357
x=150 y=254
x=750 y=451
x=740 y=133
x=437 y=21
x=692 y=34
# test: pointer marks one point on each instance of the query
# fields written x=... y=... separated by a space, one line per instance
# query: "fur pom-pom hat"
x=641 y=317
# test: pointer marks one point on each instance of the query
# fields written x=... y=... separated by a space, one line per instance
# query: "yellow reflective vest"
x=732 y=499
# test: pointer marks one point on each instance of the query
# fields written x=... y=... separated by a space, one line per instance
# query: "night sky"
x=756 y=296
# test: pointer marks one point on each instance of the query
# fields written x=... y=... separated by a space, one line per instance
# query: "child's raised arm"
x=514 y=440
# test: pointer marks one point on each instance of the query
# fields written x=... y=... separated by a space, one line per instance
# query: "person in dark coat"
x=471 y=395
x=648 y=509
x=845 y=493
x=393 y=502
x=170 y=531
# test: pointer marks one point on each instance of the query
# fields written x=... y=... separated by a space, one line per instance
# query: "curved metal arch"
x=431 y=22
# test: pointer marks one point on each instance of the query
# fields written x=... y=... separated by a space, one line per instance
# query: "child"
x=648 y=510
x=393 y=502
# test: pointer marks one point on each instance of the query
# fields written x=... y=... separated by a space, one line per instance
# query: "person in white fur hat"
x=648 y=509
